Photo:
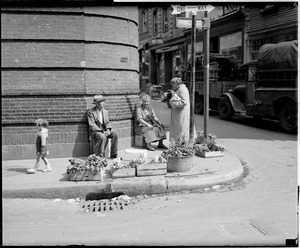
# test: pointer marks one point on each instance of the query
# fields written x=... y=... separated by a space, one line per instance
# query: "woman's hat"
x=99 y=98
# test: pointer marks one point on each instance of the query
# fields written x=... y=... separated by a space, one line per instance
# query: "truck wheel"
x=168 y=103
x=288 y=117
x=198 y=105
x=225 y=109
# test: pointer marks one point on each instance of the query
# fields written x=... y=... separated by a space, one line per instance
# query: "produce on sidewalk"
x=207 y=144
x=92 y=164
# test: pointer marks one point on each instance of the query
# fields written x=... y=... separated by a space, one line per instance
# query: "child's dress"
x=41 y=141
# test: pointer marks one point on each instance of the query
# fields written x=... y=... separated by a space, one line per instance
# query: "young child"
x=41 y=146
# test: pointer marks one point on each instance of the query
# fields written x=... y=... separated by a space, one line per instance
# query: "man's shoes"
x=149 y=147
x=162 y=146
x=114 y=156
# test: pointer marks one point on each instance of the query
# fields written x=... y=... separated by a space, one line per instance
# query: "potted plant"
x=207 y=147
x=179 y=156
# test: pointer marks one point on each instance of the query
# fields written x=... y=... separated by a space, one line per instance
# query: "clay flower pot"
x=179 y=164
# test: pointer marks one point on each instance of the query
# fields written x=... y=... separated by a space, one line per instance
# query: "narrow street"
x=261 y=209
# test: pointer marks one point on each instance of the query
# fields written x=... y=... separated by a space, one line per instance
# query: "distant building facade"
x=237 y=30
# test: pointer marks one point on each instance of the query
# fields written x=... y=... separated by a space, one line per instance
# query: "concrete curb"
x=204 y=173
x=172 y=182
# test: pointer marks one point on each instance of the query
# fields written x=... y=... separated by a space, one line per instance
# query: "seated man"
x=100 y=128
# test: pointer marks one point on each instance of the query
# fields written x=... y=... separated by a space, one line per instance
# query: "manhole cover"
x=104 y=205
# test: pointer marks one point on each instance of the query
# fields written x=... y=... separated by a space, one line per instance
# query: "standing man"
x=100 y=128
x=180 y=112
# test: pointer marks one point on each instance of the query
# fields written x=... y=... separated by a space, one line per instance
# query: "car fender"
x=237 y=105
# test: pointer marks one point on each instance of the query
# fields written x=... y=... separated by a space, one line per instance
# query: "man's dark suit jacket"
x=94 y=122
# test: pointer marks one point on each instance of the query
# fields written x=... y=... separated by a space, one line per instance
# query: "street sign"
x=177 y=9
x=206 y=23
x=183 y=22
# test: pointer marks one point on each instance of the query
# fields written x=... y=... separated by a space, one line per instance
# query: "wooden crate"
x=151 y=169
x=86 y=175
x=123 y=172
x=210 y=154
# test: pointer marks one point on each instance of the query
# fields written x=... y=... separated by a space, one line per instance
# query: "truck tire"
x=288 y=117
x=225 y=109
x=198 y=109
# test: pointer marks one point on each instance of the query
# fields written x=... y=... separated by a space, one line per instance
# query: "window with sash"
x=155 y=22
x=255 y=44
x=165 y=19
x=144 y=21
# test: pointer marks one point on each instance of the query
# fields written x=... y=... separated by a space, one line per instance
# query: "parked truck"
x=224 y=74
x=271 y=89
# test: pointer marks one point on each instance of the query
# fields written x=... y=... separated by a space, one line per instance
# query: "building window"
x=155 y=23
x=165 y=19
x=177 y=65
x=232 y=45
x=161 y=70
x=198 y=49
x=144 y=21
x=269 y=9
x=256 y=44
x=227 y=9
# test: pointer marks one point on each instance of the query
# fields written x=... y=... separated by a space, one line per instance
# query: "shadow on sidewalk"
x=18 y=170
x=66 y=177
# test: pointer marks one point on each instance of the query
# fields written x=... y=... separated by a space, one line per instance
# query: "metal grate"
x=104 y=206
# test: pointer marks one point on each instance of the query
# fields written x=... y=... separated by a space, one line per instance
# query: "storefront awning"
x=168 y=49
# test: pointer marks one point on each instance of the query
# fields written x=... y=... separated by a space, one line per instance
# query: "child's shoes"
x=31 y=171
x=48 y=169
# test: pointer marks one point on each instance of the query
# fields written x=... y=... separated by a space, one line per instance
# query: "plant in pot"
x=179 y=156
x=207 y=147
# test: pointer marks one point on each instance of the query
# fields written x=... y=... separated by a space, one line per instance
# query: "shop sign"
x=156 y=41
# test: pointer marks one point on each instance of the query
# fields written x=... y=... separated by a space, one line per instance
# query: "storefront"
x=226 y=37
x=169 y=64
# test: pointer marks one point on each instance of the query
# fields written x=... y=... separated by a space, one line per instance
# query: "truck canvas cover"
x=283 y=55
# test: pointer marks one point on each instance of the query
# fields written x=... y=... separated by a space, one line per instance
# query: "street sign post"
x=193 y=75
x=177 y=9
x=206 y=78
x=203 y=23
x=183 y=22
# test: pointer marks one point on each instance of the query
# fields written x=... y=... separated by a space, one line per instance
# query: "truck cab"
x=224 y=74
x=271 y=87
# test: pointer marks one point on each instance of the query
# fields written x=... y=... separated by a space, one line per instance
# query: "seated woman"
x=148 y=125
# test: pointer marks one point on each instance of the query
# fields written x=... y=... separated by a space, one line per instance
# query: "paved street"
x=261 y=209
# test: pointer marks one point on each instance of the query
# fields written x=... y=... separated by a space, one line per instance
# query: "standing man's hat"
x=98 y=98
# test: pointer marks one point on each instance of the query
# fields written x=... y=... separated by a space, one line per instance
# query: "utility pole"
x=204 y=23
x=192 y=86
x=206 y=77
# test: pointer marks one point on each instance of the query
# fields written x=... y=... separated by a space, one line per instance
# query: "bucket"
x=179 y=164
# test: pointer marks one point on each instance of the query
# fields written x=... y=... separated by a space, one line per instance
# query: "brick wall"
x=53 y=61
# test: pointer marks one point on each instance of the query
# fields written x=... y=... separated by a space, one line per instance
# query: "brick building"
x=53 y=61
